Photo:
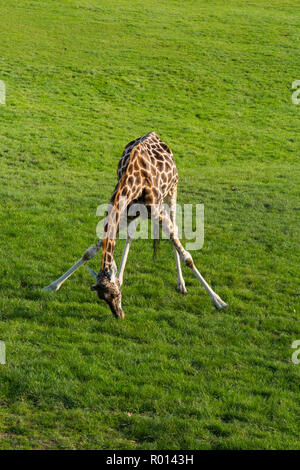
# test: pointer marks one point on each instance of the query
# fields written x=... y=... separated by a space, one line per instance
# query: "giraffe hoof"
x=218 y=302
x=181 y=289
x=52 y=287
x=120 y=316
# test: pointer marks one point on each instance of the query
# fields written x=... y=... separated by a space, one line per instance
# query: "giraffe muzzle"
x=113 y=300
x=116 y=308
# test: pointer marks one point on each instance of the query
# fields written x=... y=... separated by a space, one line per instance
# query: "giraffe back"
x=159 y=161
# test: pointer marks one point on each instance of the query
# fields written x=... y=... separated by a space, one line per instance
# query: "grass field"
x=213 y=79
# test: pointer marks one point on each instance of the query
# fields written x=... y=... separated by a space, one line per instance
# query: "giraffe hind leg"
x=180 y=281
x=187 y=258
x=171 y=199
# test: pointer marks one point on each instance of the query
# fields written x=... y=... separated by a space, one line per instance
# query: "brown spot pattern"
x=147 y=173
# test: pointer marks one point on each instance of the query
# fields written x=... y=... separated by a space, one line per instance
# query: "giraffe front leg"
x=89 y=254
x=215 y=298
x=130 y=236
x=169 y=228
x=188 y=260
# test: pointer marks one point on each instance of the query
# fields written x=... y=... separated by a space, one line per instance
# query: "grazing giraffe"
x=147 y=175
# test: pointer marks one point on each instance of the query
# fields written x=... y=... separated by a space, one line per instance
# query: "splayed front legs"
x=89 y=254
x=179 y=251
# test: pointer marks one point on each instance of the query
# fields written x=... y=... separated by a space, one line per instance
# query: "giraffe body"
x=155 y=160
x=147 y=175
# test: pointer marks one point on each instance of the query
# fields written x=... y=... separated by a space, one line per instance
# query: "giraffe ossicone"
x=147 y=175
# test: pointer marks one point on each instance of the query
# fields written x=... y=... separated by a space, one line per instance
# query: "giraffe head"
x=108 y=288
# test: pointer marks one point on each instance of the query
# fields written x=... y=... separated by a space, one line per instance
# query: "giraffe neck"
x=126 y=191
x=109 y=241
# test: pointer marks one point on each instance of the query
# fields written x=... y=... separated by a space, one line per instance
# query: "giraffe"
x=147 y=175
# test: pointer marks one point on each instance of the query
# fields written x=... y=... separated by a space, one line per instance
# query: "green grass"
x=213 y=79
